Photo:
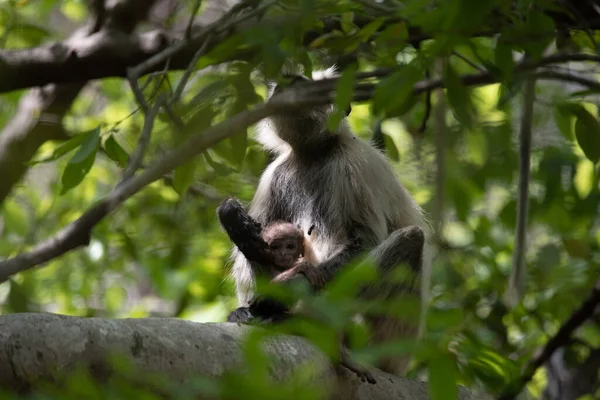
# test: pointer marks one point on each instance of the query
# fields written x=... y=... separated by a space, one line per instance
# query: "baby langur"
x=288 y=245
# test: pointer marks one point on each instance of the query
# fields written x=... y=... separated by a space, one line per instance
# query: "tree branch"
x=173 y=350
x=562 y=337
x=138 y=155
x=78 y=232
x=112 y=53
x=41 y=110
x=304 y=95
x=516 y=286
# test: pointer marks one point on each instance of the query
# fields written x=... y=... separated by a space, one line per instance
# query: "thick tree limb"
x=112 y=53
x=41 y=347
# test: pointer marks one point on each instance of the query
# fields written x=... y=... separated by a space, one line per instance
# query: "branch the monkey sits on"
x=349 y=191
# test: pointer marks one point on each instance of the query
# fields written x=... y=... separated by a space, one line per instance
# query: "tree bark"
x=41 y=110
x=47 y=347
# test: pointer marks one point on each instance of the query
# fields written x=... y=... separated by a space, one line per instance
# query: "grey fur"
x=339 y=183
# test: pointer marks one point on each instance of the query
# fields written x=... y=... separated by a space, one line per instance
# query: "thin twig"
x=188 y=28
x=380 y=8
x=188 y=72
x=221 y=25
x=137 y=92
x=139 y=152
x=578 y=318
x=177 y=121
x=517 y=279
x=469 y=62
x=423 y=126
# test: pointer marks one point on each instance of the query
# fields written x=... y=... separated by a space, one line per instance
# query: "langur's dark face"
x=286 y=251
x=305 y=130
x=290 y=80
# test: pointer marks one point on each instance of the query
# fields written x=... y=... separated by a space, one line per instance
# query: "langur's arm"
x=320 y=275
x=244 y=232
x=402 y=246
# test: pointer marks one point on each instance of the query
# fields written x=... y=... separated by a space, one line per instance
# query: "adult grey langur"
x=347 y=189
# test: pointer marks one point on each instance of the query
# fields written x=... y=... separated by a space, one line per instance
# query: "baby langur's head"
x=286 y=243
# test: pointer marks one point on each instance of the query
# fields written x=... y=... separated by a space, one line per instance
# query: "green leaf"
x=233 y=149
x=183 y=176
x=219 y=168
x=347 y=22
x=459 y=97
x=390 y=148
x=564 y=120
x=15 y=217
x=239 y=144
x=63 y=149
x=222 y=51
x=115 y=152
x=543 y=26
x=306 y=63
x=33 y=34
x=442 y=378
x=18 y=297
x=81 y=162
x=343 y=96
x=587 y=132
x=503 y=58
x=577 y=248
x=393 y=92
x=368 y=30
x=202 y=119
x=208 y=93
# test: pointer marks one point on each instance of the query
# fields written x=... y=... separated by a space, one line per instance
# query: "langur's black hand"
x=267 y=309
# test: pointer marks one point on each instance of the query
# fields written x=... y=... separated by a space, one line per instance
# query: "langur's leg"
x=400 y=256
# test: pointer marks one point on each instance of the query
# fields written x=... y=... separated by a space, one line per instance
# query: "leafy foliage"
x=163 y=254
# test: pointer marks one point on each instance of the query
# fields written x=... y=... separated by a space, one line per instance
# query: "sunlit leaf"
x=393 y=92
x=81 y=162
x=183 y=176
x=15 y=217
x=587 y=132
x=343 y=96
x=585 y=178
x=564 y=119
x=369 y=29
x=459 y=96
x=115 y=152
x=64 y=148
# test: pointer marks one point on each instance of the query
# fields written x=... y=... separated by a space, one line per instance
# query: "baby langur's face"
x=286 y=251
